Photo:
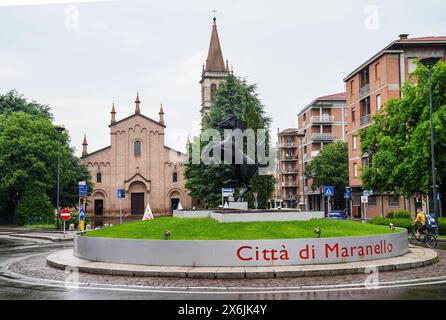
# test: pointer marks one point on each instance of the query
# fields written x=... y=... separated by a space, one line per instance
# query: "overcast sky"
x=79 y=58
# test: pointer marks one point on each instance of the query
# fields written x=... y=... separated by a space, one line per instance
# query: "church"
x=137 y=159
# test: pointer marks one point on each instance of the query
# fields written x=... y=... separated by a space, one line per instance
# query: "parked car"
x=336 y=214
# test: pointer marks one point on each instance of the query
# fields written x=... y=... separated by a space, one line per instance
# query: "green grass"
x=209 y=229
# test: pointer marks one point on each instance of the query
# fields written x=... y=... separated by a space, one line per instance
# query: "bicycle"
x=427 y=237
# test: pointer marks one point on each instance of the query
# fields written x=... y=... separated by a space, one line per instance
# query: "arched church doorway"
x=99 y=203
x=137 y=192
x=175 y=198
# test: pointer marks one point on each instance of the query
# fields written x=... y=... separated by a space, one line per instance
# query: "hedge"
x=33 y=205
x=406 y=223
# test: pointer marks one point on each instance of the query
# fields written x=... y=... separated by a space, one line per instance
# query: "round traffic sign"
x=65 y=214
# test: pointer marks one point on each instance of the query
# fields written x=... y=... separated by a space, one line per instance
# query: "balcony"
x=322 y=136
x=288 y=145
x=364 y=91
x=366 y=120
x=323 y=119
x=289 y=185
x=289 y=197
x=289 y=171
x=288 y=158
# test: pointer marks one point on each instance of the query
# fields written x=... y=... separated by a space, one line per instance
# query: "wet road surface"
x=12 y=287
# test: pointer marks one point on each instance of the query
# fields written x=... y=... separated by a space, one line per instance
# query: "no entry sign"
x=65 y=214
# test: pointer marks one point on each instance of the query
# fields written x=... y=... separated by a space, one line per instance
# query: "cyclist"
x=421 y=217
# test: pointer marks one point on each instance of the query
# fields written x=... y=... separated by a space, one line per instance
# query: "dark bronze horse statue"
x=242 y=172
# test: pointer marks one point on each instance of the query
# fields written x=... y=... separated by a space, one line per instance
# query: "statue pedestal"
x=238 y=205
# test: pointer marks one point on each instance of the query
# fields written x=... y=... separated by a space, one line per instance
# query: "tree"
x=12 y=101
x=29 y=148
x=34 y=205
x=330 y=168
x=234 y=96
x=398 y=141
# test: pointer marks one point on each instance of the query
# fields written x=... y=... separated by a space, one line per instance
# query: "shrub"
x=406 y=223
x=400 y=214
x=33 y=206
x=74 y=219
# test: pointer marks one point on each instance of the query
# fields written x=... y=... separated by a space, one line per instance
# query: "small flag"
x=148 y=215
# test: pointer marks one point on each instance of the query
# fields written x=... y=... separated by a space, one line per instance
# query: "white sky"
x=294 y=50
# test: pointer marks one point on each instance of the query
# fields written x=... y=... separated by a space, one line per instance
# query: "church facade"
x=137 y=159
x=138 y=162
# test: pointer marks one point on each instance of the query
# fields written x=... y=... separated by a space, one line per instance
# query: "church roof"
x=215 y=60
x=139 y=115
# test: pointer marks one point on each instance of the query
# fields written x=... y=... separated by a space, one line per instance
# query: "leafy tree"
x=12 y=101
x=398 y=141
x=234 y=96
x=330 y=168
x=34 y=204
x=29 y=149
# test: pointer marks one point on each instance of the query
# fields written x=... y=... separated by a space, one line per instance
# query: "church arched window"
x=137 y=148
x=175 y=177
x=99 y=177
x=213 y=92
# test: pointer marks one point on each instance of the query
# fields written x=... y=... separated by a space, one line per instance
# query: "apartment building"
x=368 y=87
x=321 y=122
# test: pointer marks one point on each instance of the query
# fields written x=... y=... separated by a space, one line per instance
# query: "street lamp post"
x=429 y=63
x=59 y=130
x=301 y=136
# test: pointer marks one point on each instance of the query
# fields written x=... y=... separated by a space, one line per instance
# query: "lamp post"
x=60 y=130
x=429 y=63
x=301 y=136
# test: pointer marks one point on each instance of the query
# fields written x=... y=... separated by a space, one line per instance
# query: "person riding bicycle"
x=421 y=217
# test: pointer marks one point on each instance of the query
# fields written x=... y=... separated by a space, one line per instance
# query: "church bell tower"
x=214 y=72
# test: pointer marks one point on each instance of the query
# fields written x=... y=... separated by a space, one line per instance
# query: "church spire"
x=84 y=146
x=161 y=113
x=215 y=61
x=113 y=113
x=137 y=103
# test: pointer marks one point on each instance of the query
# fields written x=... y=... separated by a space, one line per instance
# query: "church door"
x=98 y=207
x=174 y=204
x=137 y=205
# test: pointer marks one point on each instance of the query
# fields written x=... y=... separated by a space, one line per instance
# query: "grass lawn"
x=209 y=229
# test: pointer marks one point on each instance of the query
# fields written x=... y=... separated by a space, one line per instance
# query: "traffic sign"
x=365 y=199
x=347 y=194
x=83 y=188
x=120 y=193
x=65 y=214
x=82 y=214
x=228 y=192
x=438 y=196
x=328 y=191
x=366 y=193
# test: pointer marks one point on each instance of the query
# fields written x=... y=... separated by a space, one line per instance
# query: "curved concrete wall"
x=236 y=253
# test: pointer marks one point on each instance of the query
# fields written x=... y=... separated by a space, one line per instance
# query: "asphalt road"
x=12 y=287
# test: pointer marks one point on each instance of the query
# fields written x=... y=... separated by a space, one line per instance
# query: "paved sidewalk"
x=415 y=258
x=52 y=236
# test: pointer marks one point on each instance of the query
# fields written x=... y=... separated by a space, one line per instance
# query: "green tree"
x=330 y=168
x=398 y=141
x=12 y=101
x=34 y=205
x=234 y=96
x=29 y=148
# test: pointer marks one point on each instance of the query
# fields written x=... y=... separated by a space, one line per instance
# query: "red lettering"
x=265 y=253
x=239 y=253
x=390 y=247
x=305 y=253
x=331 y=249
x=377 y=249
x=273 y=255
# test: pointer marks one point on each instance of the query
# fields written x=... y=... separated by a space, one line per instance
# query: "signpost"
x=348 y=202
x=121 y=194
x=226 y=192
x=81 y=220
x=65 y=214
x=365 y=201
x=329 y=193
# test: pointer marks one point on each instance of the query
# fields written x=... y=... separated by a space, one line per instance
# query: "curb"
x=29 y=236
x=415 y=258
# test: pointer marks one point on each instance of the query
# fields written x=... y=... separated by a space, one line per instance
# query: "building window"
x=372 y=201
x=355 y=145
x=175 y=177
x=353 y=114
x=378 y=102
x=394 y=201
x=137 y=148
x=99 y=177
x=377 y=71
x=355 y=170
x=352 y=83
x=213 y=92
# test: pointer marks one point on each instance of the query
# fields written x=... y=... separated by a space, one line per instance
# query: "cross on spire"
x=215 y=19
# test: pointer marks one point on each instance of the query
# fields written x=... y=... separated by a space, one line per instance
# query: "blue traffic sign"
x=328 y=191
x=120 y=193
x=82 y=214
x=228 y=190
x=347 y=194
x=438 y=196
x=83 y=189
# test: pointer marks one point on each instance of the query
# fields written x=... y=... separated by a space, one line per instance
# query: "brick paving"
x=36 y=267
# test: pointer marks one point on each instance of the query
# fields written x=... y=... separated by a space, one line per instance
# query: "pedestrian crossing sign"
x=328 y=191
